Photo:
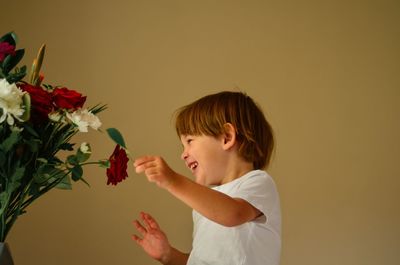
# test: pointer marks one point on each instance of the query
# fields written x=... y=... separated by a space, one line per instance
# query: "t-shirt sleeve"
x=260 y=191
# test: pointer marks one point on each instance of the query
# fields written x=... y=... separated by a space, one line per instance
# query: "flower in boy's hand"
x=65 y=98
x=118 y=166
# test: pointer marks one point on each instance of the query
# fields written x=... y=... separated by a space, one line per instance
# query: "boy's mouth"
x=192 y=165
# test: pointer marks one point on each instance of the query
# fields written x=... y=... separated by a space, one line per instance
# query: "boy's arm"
x=177 y=258
x=210 y=203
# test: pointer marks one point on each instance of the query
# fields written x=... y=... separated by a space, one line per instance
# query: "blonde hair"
x=209 y=114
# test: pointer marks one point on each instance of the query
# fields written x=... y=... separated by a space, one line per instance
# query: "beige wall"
x=325 y=72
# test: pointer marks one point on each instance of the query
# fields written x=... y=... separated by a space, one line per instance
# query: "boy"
x=236 y=211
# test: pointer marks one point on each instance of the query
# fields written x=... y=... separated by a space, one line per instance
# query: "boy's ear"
x=229 y=136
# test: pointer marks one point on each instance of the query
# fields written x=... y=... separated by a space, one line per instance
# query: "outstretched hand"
x=153 y=240
x=156 y=170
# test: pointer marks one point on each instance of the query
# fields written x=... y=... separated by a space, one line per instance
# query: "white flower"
x=83 y=119
x=11 y=104
x=85 y=148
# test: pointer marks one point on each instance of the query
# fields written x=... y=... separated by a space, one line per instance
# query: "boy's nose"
x=184 y=155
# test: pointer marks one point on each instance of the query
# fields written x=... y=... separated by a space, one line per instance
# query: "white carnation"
x=84 y=119
x=10 y=102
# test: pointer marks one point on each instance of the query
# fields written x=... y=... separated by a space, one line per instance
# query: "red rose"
x=5 y=49
x=118 y=166
x=41 y=102
x=65 y=98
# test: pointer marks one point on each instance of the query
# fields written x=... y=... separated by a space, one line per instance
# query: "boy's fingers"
x=142 y=164
x=140 y=227
x=141 y=160
x=151 y=222
x=137 y=239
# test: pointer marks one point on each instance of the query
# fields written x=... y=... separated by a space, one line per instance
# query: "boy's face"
x=205 y=157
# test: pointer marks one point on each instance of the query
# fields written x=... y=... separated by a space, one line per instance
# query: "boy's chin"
x=200 y=180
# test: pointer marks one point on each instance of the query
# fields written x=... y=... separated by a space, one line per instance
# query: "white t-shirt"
x=257 y=242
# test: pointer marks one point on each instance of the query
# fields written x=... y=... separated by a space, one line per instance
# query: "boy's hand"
x=156 y=170
x=153 y=241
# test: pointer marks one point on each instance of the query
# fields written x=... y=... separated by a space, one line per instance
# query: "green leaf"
x=18 y=173
x=82 y=157
x=17 y=76
x=12 y=60
x=33 y=144
x=4 y=199
x=98 y=108
x=2 y=158
x=10 y=37
x=72 y=160
x=65 y=184
x=67 y=146
x=34 y=189
x=116 y=136
x=31 y=130
x=15 y=180
x=77 y=172
x=10 y=141
x=41 y=178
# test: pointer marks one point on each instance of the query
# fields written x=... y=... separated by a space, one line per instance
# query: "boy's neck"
x=239 y=169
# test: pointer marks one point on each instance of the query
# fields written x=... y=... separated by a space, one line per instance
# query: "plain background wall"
x=325 y=72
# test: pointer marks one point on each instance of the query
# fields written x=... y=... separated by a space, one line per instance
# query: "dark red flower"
x=118 y=166
x=65 y=98
x=41 y=102
x=5 y=49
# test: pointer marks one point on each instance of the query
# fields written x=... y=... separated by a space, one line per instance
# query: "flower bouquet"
x=37 y=124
